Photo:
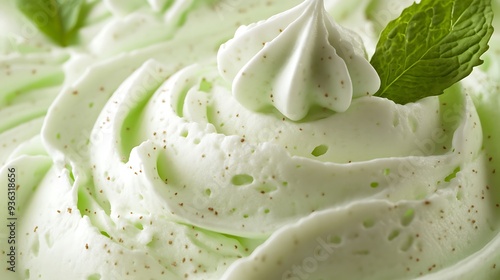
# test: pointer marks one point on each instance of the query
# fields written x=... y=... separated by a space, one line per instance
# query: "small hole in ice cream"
x=413 y=122
x=452 y=175
x=320 y=150
x=184 y=133
x=94 y=277
x=139 y=226
x=241 y=180
x=407 y=218
x=208 y=192
x=374 y=185
x=27 y=274
x=387 y=171
x=407 y=244
x=368 y=223
x=70 y=173
x=153 y=243
x=395 y=233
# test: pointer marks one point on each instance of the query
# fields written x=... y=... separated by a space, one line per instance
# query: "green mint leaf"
x=57 y=19
x=430 y=47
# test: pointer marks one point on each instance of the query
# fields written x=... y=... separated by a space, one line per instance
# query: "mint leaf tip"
x=57 y=19
x=431 y=46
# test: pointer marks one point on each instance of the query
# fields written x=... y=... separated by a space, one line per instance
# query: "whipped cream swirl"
x=148 y=167
x=297 y=61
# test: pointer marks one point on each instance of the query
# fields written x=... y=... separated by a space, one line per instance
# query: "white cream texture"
x=147 y=167
x=297 y=60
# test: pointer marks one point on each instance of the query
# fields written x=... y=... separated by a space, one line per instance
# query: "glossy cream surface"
x=144 y=152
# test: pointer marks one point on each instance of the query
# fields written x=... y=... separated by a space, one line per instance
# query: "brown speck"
x=86 y=246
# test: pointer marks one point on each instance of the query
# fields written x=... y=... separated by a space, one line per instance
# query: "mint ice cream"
x=238 y=140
